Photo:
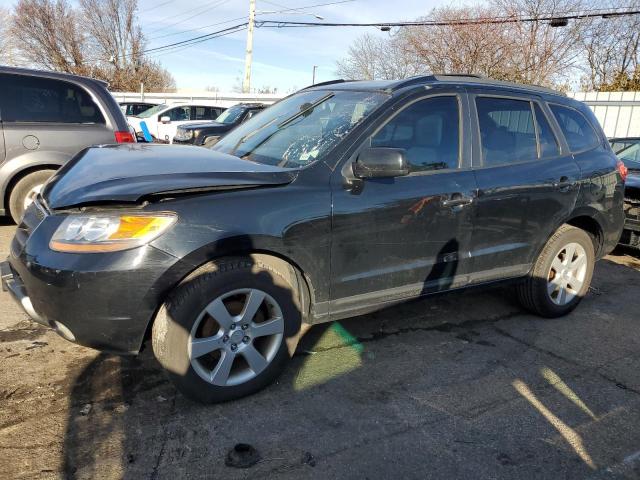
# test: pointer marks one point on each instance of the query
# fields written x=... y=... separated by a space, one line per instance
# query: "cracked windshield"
x=300 y=129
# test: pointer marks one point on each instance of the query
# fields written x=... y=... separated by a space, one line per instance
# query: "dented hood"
x=129 y=172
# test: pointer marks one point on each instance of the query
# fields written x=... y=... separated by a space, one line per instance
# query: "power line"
x=199 y=11
x=286 y=9
x=432 y=23
x=197 y=14
x=184 y=47
x=204 y=37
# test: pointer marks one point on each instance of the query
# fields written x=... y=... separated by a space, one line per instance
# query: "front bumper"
x=102 y=301
x=12 y=283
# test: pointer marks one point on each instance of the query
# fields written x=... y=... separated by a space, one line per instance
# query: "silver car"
x=45 y=119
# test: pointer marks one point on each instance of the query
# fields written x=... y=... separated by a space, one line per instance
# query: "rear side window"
x=32 y=99
x=548 y=143
x=576 y=128
x=204 y=113
x=428 y=131
x=507 y=130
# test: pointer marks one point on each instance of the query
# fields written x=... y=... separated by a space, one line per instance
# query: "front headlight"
x=87 y=233
x=182 y=134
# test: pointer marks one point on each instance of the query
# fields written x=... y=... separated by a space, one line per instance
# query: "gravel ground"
x=465 y=385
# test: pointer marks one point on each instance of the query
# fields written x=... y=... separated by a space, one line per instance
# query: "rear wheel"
x=561 y=275
x=25 y=191
x=222 y=333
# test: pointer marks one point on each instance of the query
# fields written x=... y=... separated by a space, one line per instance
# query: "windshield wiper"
x=302 y=112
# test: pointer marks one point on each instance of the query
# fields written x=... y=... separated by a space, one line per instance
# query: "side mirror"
x=165 y=119
x=381 y=162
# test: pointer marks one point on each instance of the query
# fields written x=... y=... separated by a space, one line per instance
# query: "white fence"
x=618 y=112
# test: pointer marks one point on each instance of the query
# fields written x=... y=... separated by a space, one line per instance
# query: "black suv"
x=339 y=200
x=207 y=134
x=45 y=119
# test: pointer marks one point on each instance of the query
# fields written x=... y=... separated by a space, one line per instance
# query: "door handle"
x=456 y=200
x=564 y=184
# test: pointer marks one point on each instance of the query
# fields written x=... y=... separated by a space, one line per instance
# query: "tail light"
x=124 y=137
x=622 y=170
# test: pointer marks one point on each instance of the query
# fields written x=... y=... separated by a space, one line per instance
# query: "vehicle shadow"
x=350 y=383
x=124 y=412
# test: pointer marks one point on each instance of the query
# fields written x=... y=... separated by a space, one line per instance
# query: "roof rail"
x=328 y=82
x=472 y=78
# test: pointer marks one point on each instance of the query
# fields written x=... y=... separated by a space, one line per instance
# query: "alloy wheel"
x=567 y=274
x=236 y=337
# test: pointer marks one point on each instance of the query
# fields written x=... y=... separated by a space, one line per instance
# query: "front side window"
x=32 y=99
x=300 y=129
x=429 y=132
x=177 y=114
x=507 y=131
x=576 y=128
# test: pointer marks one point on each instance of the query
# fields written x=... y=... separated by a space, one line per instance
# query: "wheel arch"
x=15 y=170
x=590 y=224
x=303 y=283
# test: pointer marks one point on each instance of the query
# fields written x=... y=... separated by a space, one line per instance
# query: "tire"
x=542 y=291
x=192 y=319
x=22 y=190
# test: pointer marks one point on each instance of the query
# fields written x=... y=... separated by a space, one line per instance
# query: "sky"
x=282 y=58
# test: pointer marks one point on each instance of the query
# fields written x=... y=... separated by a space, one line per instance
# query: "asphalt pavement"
x=465 y=385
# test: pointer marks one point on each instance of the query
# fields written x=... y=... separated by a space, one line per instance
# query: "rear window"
x=576 y=128
x=507 y=130
x=32 y=99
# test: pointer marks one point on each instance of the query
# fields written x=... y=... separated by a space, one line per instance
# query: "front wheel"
x=222 y=334
x=561 y=274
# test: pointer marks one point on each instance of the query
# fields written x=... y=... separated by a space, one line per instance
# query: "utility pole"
x=313 y=79
x=246 y=83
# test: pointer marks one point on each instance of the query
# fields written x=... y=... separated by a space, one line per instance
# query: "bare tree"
x=461 y=42
x=118 y=43
x=100 y=39
x=373 y=58
x=6 y=49
x=49 y=36
x=612 y=50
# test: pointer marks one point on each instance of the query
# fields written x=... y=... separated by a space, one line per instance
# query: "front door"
x=397 y=238
x=527 y=184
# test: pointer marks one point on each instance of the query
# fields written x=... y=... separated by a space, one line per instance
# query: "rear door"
x=527 y=181
x=43 y=114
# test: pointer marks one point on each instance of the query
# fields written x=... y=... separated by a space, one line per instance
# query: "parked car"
x=46 y=118
x=628 y=150
x=207 y=134
x=162 y=120
x=339 y=200
x=132 y=109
